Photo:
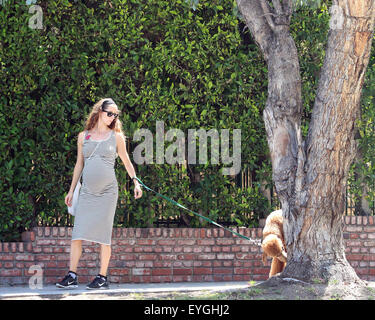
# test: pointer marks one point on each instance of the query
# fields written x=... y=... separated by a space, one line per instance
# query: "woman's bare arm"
x=79 y=163
x=123 y=154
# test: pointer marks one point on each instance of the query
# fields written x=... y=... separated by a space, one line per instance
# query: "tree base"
x=277 y=287
x=324 y=272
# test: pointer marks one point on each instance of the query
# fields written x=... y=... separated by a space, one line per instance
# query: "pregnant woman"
x=99 y=145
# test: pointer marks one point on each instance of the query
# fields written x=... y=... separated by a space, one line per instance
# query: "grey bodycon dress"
x=98 y=195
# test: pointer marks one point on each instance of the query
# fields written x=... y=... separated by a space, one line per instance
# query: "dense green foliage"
x=192 y=65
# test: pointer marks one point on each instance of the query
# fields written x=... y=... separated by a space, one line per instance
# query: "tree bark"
x=310 y=176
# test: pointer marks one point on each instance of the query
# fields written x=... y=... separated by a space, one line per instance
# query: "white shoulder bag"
x=72 y=209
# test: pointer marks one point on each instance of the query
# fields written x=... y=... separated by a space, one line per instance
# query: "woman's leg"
x=75 y=254
x=105 y=255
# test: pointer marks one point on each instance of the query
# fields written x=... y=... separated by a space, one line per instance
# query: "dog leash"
x=254 y=241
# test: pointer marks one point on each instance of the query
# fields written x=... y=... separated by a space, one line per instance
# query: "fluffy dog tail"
x=264 y=258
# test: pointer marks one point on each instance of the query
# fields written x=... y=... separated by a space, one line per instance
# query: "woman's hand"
x=69 y=199
x=137 y=191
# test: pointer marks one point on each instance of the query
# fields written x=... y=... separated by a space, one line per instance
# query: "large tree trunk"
x=310 y=175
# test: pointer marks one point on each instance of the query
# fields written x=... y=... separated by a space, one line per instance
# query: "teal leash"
x=255 y=241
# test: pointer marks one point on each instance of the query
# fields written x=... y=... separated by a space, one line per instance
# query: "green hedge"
x=189 y=64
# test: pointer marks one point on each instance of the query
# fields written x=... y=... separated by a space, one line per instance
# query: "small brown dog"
x=273 y=244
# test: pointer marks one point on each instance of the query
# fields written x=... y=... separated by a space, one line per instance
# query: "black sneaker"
x=68 y=282
x=99 y=282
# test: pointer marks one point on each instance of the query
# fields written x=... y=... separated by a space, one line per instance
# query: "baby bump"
x=98 y=176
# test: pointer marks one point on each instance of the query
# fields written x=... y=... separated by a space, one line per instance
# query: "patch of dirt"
x=278 y=288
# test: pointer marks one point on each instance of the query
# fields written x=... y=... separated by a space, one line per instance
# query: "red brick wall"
x=166 y=254
x=359 y=238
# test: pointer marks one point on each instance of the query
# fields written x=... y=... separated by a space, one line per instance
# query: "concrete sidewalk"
x=7 y=292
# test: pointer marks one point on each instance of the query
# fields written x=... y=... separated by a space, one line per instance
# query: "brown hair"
x=93 y=117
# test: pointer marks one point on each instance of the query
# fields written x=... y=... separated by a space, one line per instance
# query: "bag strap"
x=94 y=150
x=90 y=158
